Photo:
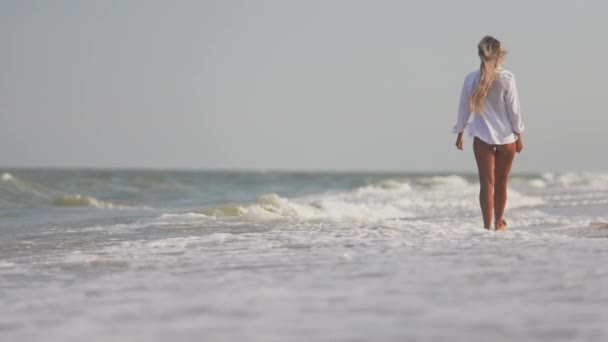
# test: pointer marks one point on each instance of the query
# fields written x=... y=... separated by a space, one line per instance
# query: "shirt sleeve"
x=513 y=109
x=464 y=111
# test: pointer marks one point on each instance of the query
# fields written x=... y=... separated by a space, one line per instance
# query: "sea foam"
x=78 y=200
x=389 y=199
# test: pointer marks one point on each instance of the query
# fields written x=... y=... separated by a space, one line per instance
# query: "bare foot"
x=502 y=225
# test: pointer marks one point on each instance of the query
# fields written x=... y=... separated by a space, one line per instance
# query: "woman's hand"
x=459 y=141
x=519 y=144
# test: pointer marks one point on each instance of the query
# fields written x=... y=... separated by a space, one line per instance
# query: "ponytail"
x=491 y=54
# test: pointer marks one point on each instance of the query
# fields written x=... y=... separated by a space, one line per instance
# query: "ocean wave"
x=6 y=177
x=384 y=200
x=157 y=183
x=12 y=183
x=569 y=179
x=268 y=206
x=78 y=200
x=24 y=191
x=384 y=186
x=273 y=206
x=582 y=180
x=452 y=181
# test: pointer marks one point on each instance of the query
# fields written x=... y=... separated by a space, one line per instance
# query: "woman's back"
x=501 y=115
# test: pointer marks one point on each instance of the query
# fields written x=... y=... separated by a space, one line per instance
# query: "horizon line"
x=266 y=170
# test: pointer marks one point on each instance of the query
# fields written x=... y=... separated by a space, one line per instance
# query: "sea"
x=170 y=255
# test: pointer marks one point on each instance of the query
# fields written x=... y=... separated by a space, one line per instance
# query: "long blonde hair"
x=491 y=53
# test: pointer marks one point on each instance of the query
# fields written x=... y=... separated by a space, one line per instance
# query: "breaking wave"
x=8 y=182
x=566 y=180
x=388 y=199
x=78 y=200
x=14 y=189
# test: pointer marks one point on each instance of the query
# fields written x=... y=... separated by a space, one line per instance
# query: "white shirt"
x=501 y=113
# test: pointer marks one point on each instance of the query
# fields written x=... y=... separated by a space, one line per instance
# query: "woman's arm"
x=513 y=108
x=519 y=144
x=460 y=141
x=464 y=113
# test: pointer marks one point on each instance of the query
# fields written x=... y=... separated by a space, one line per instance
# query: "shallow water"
x=224 y=256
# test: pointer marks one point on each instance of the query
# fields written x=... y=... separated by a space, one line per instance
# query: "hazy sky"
x=321 y=85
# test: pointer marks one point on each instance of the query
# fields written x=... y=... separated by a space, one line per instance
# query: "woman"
x=490 y=96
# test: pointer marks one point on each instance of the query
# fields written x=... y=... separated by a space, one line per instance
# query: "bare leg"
x=504 y=160
x=484 y=155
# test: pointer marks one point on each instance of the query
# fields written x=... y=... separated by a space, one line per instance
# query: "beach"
x=157 y=255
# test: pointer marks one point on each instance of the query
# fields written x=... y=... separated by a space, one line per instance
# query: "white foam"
x=446 y=181
x=517 y=200
x=6 y=177
x=78 y=200
x=580 y=179
x=6 y=264
x=538 y=183
x=273 y=206
x=78 y=257
x=389 y=184
x=387 y=199
x=183 y=216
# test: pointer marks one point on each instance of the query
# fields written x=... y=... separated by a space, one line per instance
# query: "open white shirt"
x=501 y=115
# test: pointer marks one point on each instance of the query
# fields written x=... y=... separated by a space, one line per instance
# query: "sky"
x=292 y=85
